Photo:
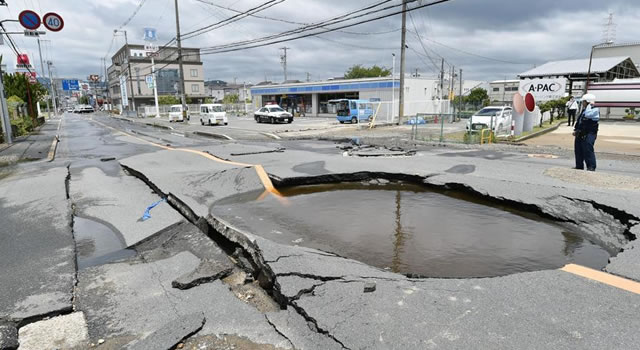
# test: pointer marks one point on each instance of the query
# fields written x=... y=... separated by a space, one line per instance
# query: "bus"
x=353 y=111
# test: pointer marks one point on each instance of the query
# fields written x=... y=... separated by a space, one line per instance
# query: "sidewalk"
x=617 y=137
x=35 y=146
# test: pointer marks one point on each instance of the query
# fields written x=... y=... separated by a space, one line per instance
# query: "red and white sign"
x=530 y=102
x=23 y=58
x=53 y=22
x=31 y=76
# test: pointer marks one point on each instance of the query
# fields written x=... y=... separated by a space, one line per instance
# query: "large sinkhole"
x=413 y=230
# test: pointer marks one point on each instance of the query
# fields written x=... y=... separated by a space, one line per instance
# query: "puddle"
x=411 y=230
x=97 y=244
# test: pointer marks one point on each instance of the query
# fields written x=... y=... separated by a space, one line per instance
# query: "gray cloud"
x=525 y=32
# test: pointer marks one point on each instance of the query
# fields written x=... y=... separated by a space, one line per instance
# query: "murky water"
x=97 y=244
x=408 y=229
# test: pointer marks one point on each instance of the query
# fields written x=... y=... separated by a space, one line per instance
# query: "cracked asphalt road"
x=238 y=289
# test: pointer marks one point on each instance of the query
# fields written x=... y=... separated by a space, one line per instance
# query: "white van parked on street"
x=213 y=114
x=175 y=114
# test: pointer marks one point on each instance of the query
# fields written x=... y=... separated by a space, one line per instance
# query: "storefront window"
x=326 y=108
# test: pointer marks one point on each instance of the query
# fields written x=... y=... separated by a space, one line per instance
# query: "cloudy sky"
x=488 y=39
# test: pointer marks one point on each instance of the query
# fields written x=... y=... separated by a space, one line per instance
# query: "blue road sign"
x=70 y=85
x=150 y=34
x=29 y=19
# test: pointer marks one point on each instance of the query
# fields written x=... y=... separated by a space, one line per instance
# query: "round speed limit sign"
x=53 y=22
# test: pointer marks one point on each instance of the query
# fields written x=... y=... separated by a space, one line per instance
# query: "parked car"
x=175 y=114
x=213 y=114
x=272 y=114
x=496 y=118
x=69 y=110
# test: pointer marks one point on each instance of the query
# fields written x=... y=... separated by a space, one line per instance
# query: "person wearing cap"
x=586 y=133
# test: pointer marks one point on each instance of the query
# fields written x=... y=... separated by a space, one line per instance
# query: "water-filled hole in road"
x=413 y=230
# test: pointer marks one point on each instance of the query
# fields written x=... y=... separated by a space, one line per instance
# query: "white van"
x=175 y=114
x=213 y=114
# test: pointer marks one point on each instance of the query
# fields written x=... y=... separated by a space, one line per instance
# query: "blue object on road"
x=147 y=213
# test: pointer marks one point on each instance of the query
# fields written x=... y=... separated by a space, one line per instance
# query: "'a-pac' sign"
x=544 y=89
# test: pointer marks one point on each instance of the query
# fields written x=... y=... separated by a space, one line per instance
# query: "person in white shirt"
x=572 y=109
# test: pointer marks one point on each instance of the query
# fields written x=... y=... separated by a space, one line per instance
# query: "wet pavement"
x=201 y=278
x=411 y=230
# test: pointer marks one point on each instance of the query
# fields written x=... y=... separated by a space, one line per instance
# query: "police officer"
x=586 y=132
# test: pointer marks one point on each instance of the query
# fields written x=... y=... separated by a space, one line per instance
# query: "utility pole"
x=179 y=40
x=308 y=77
x=393 y=88
x=460 y=96
x=53 y=89
x=452 y=91
x=441 y=84
x=6 y=121
x=132 y=107
x=155 y=86
x=403 y=58
x=106 y=80
x=283 y=60
x=44 y=75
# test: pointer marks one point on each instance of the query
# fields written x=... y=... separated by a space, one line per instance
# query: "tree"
x=168 y=100
x=477 y=97
x=359 y=71
x=84 y=100
x=230 y=99
x=18 y=85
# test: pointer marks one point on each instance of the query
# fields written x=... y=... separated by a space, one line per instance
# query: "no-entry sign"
x=29 y=19
x=53 y=21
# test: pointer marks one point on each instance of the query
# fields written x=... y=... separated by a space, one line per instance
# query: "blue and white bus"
x=353 y=111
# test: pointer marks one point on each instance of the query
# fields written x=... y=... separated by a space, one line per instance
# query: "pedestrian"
x=572 y=109
x=586 y=132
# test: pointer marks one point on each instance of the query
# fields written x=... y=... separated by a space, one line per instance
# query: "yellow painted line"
x=603 y=277
x=52 y=149
x=262 y=174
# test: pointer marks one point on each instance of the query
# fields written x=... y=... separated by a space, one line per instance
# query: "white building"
x=502 y=91
x=312 y=98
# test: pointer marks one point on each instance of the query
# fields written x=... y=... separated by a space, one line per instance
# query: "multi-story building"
x=218 y=89
x=167 y=75
x=501 y=91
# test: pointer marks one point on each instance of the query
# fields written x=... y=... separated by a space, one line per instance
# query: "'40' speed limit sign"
x=53 y=22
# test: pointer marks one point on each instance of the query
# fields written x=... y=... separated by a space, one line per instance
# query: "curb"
x=538 y=133
x=54 y=147
x=273 y=136
x=159 y=126
x=213 y=136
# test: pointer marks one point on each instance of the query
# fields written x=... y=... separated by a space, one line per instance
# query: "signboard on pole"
x=123 y=91
x=544 y=89
x=149 y=80
x=53 y=21
x=70 y=85
x=29 y=19
x=150 y=34
x=94 y=77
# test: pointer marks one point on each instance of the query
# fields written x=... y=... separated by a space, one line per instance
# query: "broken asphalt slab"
x=8 y=336
x=62 y=332
x=37 y=254
x=120 y=201
x=171 y=334
x=129 y=300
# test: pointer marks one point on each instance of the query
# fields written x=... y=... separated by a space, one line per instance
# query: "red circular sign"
x=53 y=22
x=530 y=102
x=29 y=19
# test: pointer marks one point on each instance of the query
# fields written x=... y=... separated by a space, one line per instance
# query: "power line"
x=231 y=19
x=241 y=46
x=291 y=22
x=475 y=54
x=317 y=25
x=135 y=12
x=422 y=43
